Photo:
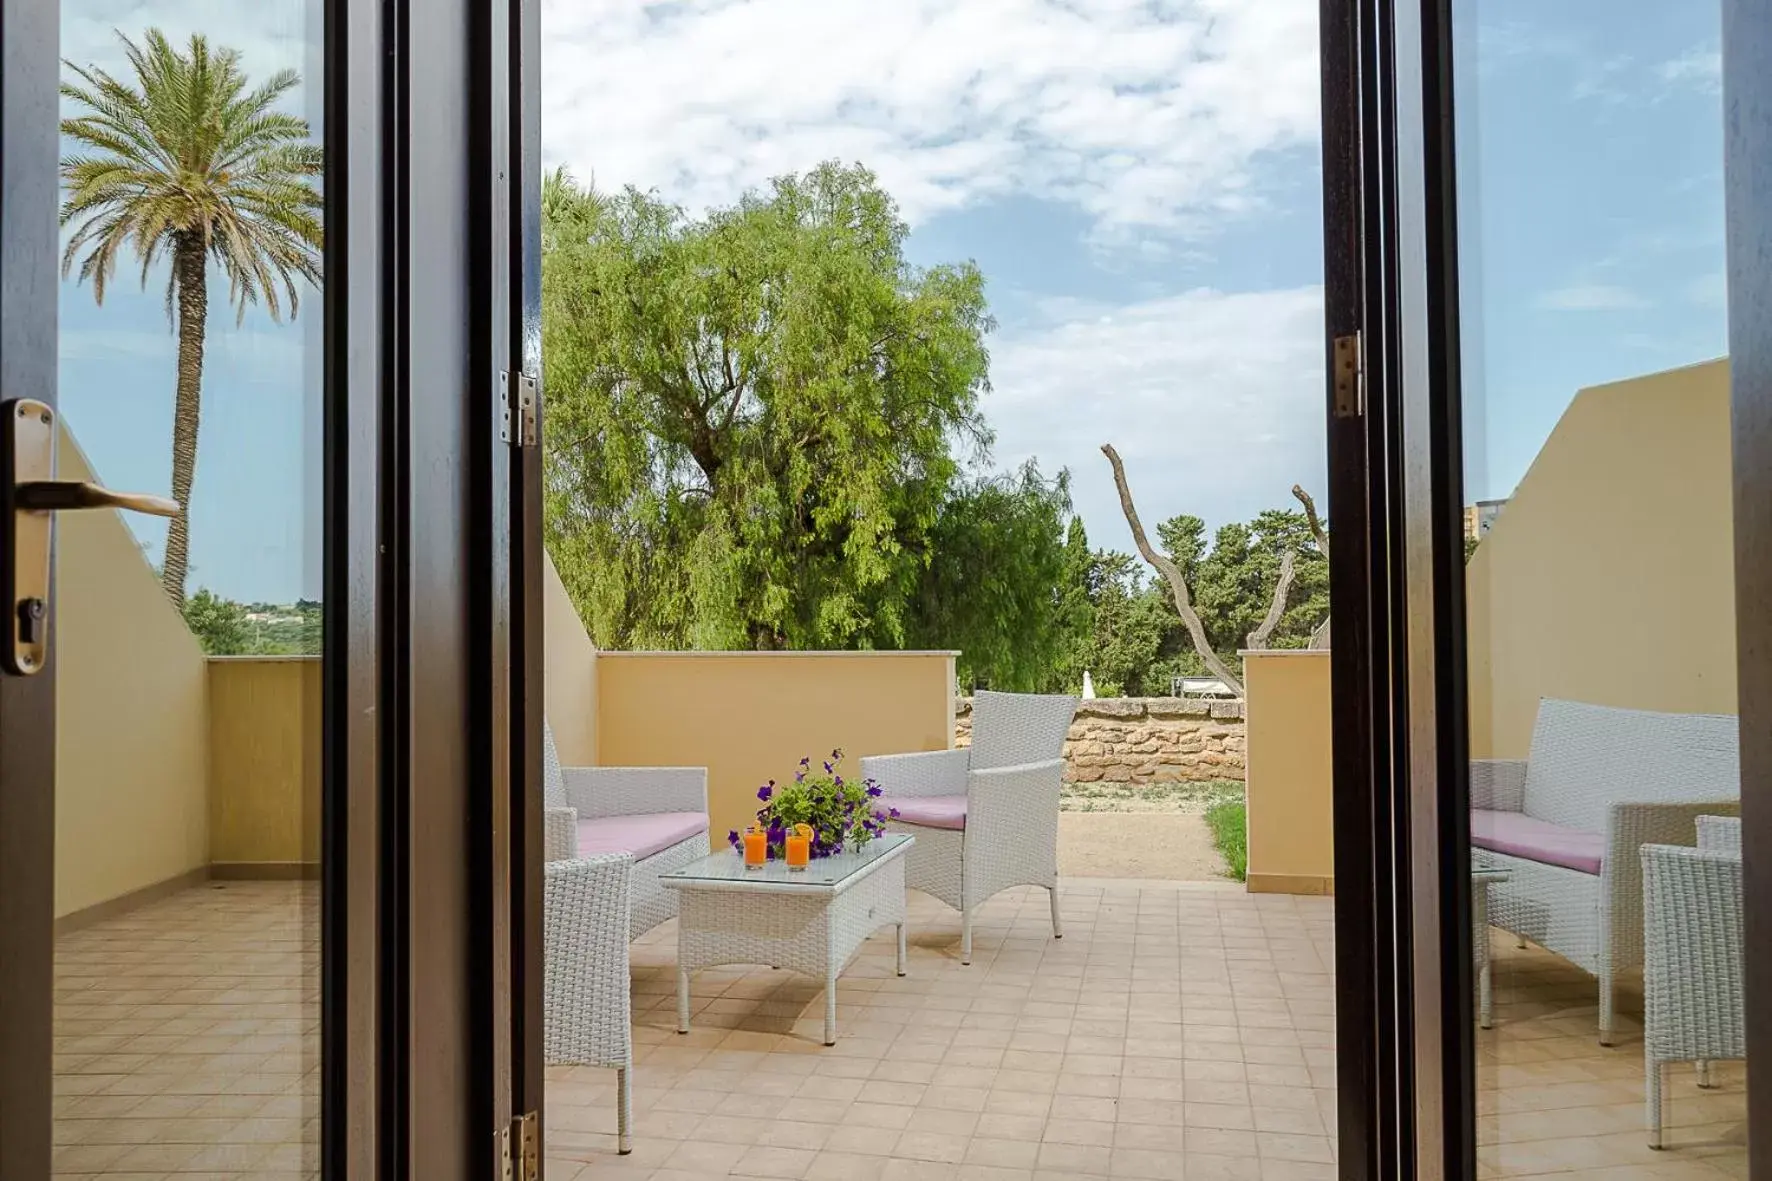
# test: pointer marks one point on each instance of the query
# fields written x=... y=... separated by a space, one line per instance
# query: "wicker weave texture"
x=1693 y=985
x=815 y=933
x=1012 y=775
x=1637 y=777
x=585 y=1001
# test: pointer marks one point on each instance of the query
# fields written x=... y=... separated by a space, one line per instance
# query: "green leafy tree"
x=219 y=624
x=993 y=586
x=186 y=163
x=754 y=415
x=1076 y=613
x=1234 y=583
x=1131 y=620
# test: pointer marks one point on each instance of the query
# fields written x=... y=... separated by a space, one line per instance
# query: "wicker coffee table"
x=811 y=921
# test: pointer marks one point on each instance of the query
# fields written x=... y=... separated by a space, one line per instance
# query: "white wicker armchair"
x=985 y=816
x=1566 y=827
x=1693 y=988
x=657 y=815
x=585 y=1002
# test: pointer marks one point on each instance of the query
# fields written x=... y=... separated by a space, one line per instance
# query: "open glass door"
x=1571 y=707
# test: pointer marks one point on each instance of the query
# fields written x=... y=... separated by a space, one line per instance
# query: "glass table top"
x=727 y=868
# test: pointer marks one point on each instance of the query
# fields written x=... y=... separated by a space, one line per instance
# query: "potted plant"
x=840 y=812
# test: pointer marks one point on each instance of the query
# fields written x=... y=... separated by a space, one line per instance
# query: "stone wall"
x=1141 y=740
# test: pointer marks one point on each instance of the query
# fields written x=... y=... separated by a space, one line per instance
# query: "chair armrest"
x=1629 y=827
x=559 y=833
x=925 y=773
x=1498 y=785
x=636 y=791
x=586 y=906
x=1011 y=827
x=1720 y=834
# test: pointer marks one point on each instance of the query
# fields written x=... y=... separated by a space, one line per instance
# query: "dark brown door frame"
x=1747 y=157
x=29 y=153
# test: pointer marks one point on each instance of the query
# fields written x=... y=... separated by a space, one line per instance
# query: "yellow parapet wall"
x=1291 y=779
x=1609 y=576
x=264 y=765
x=748 y=717
x=131 y=742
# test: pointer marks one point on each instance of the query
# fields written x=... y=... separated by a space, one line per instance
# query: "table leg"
x=1480 y=948
x=901 y=969
x=830 y=1007
x=682 y=1000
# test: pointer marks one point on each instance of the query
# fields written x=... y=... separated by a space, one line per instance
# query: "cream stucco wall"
x=1609 y=576
x=570 y=668
x=749 y=717
x=1290 y=772
x=264 y=763
x=131 y=733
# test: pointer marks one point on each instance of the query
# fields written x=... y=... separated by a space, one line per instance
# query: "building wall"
x=749 y=717
x=132 y=754
x=1610 y=576
x=264 y=765
x=570 y=668
x=1290 y=772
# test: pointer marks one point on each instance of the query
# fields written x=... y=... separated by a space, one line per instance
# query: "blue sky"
x=1138 y=180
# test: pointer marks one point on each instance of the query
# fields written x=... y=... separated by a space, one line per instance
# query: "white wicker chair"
x=1618 y=779
x=586 y=1008
x=1693 y=990
x=572 y=796
x=985 y=816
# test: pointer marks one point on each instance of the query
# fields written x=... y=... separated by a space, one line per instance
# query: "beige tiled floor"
x=187 y=1039
x=1180 y=1030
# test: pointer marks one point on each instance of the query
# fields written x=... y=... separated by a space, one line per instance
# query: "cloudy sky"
x=1138 y=180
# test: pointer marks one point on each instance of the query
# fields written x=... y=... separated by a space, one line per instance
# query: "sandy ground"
x=1176 y=846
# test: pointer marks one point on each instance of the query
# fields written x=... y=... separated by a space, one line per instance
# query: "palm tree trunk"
x=190 y=272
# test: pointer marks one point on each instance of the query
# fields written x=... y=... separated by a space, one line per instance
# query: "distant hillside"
x=226 y=627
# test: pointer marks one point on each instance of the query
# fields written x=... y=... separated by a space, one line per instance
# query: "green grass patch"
x=1229 y=822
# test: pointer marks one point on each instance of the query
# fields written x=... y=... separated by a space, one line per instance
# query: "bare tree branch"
x=1172 y=575
x=1277 y=608
x=1319 y=637
x=1310 y=513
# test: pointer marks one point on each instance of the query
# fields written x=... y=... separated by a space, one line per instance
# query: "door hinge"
x=1350 y=376
x=527 y=1130
x=518 y=417
x=503 y=1150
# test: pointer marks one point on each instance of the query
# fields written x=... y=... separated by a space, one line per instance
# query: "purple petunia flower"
x=893 y=812
x=732 y=838
x=806 y=761
x=875 y=791
x=827 y=768
x=838 y=781
x=763 y=793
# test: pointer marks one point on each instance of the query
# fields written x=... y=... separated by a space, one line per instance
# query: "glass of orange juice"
x=756 y=847
x=799 y=846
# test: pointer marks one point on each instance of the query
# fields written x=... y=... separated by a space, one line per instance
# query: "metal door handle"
x=49 y=496
x=30 y=496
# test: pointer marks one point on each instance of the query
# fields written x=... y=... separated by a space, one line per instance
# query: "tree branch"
x=1319 y=637
x=1316 y=522
x=1277 y=608
x=1172 y=575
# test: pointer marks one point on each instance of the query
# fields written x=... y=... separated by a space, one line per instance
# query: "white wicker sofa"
x=985 y=816
x=656 y=815
x=1694 y=992
x=1567 y=825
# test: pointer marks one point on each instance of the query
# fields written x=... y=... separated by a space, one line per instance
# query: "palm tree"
x=189 y=165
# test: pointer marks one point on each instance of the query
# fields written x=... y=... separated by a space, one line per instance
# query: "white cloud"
x=1591 y=297
x=1215 y=401
x=1142 y=113
x=1700 y=69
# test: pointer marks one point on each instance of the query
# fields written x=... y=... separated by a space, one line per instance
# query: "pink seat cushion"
x=1519 y=835
x=928 y=811
x=640 y=835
